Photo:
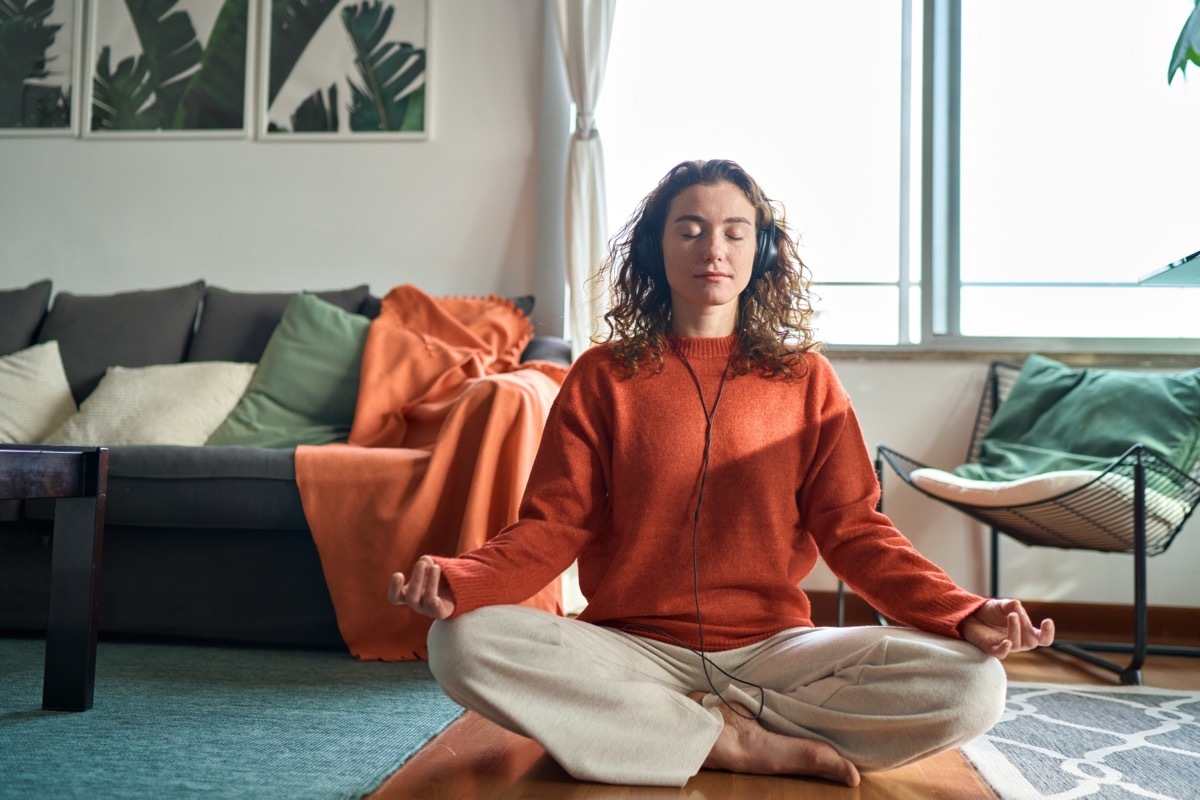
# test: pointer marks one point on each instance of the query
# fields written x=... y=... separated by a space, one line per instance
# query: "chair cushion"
x=34 y=395
x=162 y=404
x=236 y=326
x=306 y=385
x=128 y=329
x=1060 y=418
x=1164 y=514
x=21 y=312
x=998 y=494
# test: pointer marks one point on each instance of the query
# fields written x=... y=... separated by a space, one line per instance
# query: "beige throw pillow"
x=35 y=397
x=164 y=404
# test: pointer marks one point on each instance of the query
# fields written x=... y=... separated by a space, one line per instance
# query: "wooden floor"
x=476 y=760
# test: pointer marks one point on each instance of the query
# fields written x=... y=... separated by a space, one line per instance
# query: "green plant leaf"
x=1187 y=48
x=45 y=107
x=215 y=97
x=315 y=115
x=293 y=24
x=121 y=97
x=388 y=71
x=24 y=40
x=170 y=50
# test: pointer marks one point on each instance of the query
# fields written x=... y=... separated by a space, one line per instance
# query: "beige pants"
x=613 y=707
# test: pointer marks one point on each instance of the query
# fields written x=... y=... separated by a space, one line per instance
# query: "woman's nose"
x=714 y=249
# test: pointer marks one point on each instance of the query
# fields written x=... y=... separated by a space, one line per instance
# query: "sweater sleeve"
x=565 y=501
x=839 y=502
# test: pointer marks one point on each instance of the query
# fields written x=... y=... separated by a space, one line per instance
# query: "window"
x=1075 y=154
x=805 y=95
x=1075 y=172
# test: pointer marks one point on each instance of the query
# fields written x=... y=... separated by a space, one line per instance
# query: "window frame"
x=940 y=51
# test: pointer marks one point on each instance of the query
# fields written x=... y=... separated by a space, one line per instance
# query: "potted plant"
x=1188 y=47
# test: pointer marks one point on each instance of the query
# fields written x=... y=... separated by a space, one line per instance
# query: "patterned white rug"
x=1110 y=743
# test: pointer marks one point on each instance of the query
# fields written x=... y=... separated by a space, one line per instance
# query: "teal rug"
x=189 y=721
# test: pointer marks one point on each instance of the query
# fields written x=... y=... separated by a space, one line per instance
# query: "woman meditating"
x=696 y=463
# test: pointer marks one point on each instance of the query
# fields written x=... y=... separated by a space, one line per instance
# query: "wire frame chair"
x=1137 y=505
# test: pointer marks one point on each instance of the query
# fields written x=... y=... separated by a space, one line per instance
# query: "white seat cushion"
x=994 y=494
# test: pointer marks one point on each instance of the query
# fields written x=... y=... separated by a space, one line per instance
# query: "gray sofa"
x=201 y=542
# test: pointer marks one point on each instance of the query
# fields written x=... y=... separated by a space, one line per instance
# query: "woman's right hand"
x=426 y=592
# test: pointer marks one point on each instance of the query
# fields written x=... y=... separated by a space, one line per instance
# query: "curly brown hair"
x=774 y=311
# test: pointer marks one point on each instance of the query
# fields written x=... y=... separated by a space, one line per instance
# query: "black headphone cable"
x=706 y=662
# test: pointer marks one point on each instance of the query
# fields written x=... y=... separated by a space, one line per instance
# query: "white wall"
x=454 y=214
x=473 y=210
x=926 y=409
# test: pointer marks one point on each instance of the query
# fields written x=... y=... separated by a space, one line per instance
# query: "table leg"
x=74 y=604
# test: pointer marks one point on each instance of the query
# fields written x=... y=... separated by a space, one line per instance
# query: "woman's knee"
x=983 y=686
x=452 y=644
x=470 y=647
x=442 y=643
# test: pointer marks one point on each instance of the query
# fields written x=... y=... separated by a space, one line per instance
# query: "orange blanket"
x=446 y=427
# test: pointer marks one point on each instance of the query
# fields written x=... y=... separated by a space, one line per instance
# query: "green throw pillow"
x=1060 y=418
x=306 y=385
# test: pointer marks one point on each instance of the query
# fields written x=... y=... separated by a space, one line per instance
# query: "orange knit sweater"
x=615 y=485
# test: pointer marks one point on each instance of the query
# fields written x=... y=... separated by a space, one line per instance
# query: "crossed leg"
x=618 y=708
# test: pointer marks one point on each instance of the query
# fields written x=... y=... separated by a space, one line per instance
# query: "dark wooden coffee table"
x=76 y=478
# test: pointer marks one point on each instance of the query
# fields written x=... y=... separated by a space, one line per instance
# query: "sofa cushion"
x=161 y=404
x=236 y=326
x=548 y=348
x=128 y=329
x=372 y=304
x=306 y=385
x=21 y=312
x=34 y=395
x=164 y=486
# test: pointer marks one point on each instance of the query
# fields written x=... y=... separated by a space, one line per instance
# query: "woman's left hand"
x=1000 y=627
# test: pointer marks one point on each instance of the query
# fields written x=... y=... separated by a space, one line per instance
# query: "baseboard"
x=1172 y=625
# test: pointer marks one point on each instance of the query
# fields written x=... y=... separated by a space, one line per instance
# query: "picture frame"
x=313 y=86
x=189 y=74
x=39 y=92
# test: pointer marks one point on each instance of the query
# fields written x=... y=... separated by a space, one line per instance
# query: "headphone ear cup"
x=766 y=253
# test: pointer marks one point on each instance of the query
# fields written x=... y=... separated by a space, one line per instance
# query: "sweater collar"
x=717 y=347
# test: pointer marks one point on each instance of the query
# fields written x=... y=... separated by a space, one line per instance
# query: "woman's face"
x=708 y=251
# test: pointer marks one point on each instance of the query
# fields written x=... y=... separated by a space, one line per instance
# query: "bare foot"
x=747 y=747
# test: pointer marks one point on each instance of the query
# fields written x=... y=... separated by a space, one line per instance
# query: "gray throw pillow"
x=21 y=312
x=128 y=329
x=236 y=326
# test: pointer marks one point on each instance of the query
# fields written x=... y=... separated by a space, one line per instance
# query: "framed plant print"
x=39 y=67
x=169 y=68
x=348 y=70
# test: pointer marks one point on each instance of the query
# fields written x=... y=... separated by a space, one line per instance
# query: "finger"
x=396 y=589
x=1026 y=636
x=1001 y=649
x=1013 y=623
x=433 y=585
x=1046 y=633
x=416 y=585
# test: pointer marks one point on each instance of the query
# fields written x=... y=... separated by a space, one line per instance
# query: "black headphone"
x=648 y=251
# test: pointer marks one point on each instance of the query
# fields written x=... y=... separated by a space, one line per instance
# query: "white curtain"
x=584 y=30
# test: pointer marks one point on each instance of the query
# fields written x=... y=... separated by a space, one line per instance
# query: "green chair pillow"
x=306 y=385
x=1061 y=418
